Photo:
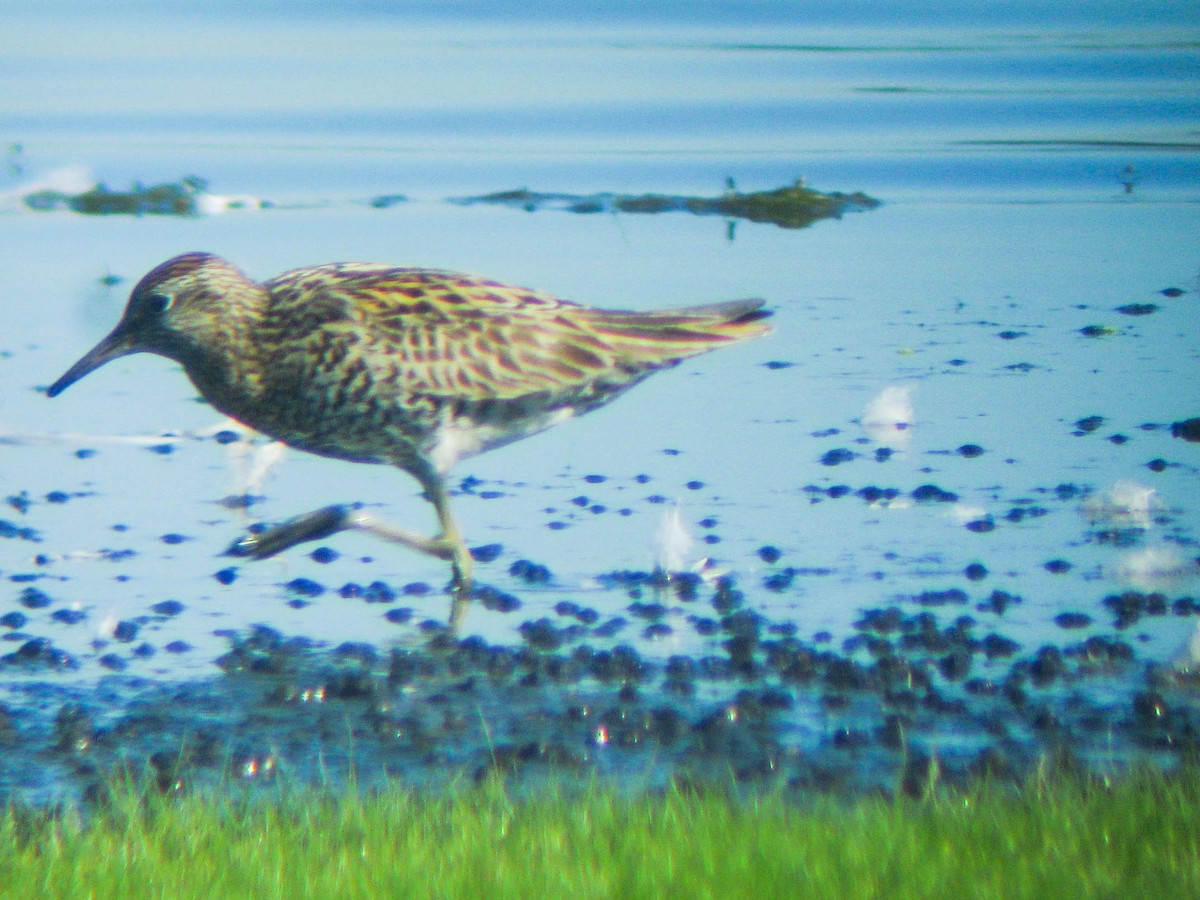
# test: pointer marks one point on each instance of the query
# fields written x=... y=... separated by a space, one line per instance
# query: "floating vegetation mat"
x=793 y=206
x=180 y=198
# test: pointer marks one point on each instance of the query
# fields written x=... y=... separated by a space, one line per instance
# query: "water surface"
x=1038 y=171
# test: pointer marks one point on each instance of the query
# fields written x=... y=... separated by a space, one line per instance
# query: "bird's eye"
x=159 y=303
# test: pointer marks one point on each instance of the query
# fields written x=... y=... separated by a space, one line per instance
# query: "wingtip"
x=755 y=313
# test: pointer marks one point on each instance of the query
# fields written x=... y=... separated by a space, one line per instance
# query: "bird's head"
x=174 y=311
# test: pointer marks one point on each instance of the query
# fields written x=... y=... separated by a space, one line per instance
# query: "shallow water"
x=1038 y=174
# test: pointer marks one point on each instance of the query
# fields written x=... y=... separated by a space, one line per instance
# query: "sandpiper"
x=417 y=368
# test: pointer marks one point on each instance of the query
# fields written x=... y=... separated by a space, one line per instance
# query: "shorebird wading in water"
x=415 y=368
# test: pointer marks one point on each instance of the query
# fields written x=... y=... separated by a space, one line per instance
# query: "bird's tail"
x=672 y=334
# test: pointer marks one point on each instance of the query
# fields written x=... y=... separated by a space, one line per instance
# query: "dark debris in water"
x=1188 y=429
x=837 y=456
x=384 y=201
x=1137 y=309
x=18 y=532
x=38 y=655
x=32 y=598
x=792 y=206
x=487 y=552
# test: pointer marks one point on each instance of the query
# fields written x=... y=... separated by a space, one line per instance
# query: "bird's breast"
x=467 y=431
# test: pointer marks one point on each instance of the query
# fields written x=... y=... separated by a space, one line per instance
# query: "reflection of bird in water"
x=412 y=367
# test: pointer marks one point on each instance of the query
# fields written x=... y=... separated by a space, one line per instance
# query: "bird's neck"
x=224 y=360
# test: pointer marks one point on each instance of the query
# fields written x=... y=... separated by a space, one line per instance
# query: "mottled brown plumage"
x=413 y=367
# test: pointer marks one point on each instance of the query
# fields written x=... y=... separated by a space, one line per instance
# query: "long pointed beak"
x=110 y=348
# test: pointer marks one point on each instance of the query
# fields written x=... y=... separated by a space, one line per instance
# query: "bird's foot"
x=311 y=526
x=453 y=549
x=329 y=520
x=449 y=547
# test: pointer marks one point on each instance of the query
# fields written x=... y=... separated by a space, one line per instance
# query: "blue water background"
x=1038 y=167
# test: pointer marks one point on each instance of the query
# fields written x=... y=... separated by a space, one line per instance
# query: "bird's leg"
x=364 y=521
x=449 y=542
x=329 y=520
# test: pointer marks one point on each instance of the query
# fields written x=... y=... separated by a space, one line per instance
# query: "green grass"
x=1134 y=838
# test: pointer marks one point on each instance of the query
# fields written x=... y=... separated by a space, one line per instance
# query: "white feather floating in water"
x=889 y=417
x=1155 y=568
x=1126 y=504
x=673 y=543
x=1188 y=657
